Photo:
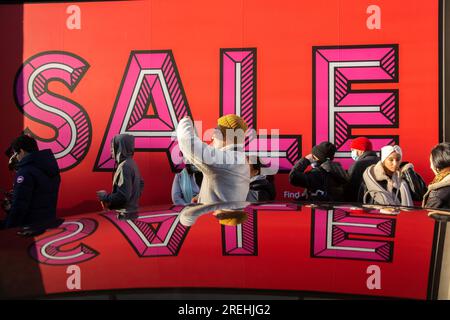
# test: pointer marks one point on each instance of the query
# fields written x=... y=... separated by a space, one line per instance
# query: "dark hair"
x=440 y=155
x=258 y=165
x=9 y=152
x=25 y=143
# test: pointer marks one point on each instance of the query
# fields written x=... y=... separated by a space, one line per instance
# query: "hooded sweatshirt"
x=226 y=176
x=127 y=181
x=35 y=192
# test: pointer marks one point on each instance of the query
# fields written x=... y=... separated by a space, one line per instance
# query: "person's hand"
x=12 y=162
x=101 y=194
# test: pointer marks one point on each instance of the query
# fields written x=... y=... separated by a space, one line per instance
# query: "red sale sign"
x=74 y=75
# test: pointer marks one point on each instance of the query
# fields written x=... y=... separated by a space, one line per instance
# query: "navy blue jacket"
x=35 y=192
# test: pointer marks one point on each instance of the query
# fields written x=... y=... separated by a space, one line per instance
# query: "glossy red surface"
x=280 y=247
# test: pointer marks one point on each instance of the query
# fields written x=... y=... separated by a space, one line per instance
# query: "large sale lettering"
x=151 y=79
x=338 y=108
x=335 y=236
x=48 y=250
x=67 y=118
x=238 y=96
x=151 y=101
x=153 y=233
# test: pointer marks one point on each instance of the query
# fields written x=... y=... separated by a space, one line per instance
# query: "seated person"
x=127 y=181
x=438 y=194
x=364 y=156
x=186 y=185
x=326 y=180
x=261 y=188
x=391 y=182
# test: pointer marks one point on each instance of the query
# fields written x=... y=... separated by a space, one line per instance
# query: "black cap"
x=324 y=151
x=25 y=142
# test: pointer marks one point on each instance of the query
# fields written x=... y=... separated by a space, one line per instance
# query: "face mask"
x=355 y=155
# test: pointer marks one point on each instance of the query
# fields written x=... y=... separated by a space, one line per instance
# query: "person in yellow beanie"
x=230 y=131
x=232 y=121
x=226 y=174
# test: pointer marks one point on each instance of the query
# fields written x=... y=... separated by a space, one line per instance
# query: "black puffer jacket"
x=438 y=195
x=355 y=173
x=35 y=193
x=324 y=183
x=261 y=189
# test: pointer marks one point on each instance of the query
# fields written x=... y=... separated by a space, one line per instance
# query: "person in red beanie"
x=364 y=156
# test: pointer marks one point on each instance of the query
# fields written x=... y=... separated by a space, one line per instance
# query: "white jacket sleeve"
x=194 y=150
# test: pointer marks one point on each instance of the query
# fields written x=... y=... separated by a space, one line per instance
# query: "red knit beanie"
x=361 y=143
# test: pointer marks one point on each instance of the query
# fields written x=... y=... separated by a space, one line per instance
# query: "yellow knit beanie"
x=231 y=217
x=232 y=121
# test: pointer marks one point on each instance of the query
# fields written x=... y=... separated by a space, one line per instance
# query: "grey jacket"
x=127 y=181
x=226 y=175
x=381 y=189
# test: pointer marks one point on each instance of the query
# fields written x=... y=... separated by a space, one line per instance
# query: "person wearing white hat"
x=391 y=182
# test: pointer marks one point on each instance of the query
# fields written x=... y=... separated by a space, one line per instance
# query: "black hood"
x=44 y=160
x=123 y=147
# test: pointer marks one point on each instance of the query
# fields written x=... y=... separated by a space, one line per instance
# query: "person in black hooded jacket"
x=326 y=180
x=36 y=185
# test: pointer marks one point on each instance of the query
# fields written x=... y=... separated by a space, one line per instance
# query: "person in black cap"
x=326 y=180
x=36 y=185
